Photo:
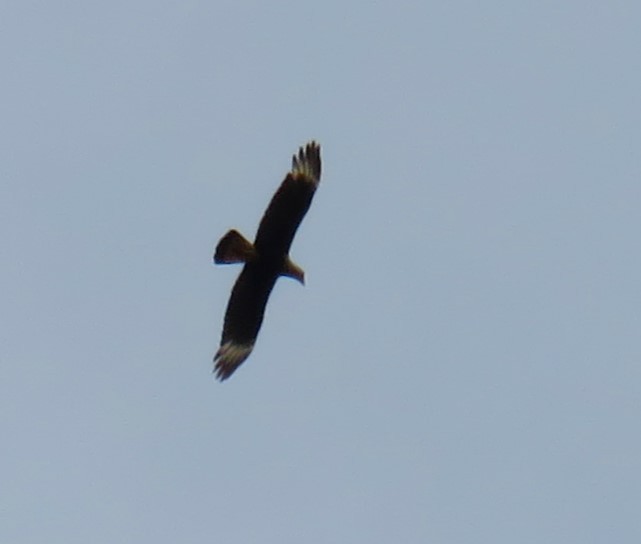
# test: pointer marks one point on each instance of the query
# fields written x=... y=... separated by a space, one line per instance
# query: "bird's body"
x=265 y=260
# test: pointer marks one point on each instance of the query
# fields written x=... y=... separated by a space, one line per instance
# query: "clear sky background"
x=464 y=363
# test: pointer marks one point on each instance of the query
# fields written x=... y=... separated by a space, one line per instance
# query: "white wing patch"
x=229 y=357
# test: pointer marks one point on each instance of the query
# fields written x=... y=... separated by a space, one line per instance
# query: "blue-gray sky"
x=463 y=364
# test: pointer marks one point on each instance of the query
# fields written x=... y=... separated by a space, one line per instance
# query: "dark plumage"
x=265 y=260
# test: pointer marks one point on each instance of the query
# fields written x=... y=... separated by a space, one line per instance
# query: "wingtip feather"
x=229 y=357
x=307 y=164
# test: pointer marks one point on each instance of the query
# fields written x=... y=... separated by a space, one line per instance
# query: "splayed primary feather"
x=229 y=357
x=307 y=163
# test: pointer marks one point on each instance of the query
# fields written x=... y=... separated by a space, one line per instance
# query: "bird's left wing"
x=243 y=319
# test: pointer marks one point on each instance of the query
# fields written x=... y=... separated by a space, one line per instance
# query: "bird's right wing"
x=290 y=203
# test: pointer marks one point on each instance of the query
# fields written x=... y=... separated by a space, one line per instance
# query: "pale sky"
x=464 y=362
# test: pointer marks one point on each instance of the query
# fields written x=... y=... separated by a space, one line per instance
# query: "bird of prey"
x=264 y=260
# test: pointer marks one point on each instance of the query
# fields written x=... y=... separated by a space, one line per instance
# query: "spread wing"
x=243 y=318
x=290 y=203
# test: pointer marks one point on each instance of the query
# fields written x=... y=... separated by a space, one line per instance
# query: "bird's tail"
x=234 y=248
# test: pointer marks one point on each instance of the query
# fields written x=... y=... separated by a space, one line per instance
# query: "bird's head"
x=292 y=270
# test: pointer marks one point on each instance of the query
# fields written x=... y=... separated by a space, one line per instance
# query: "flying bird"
x=265 y=260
